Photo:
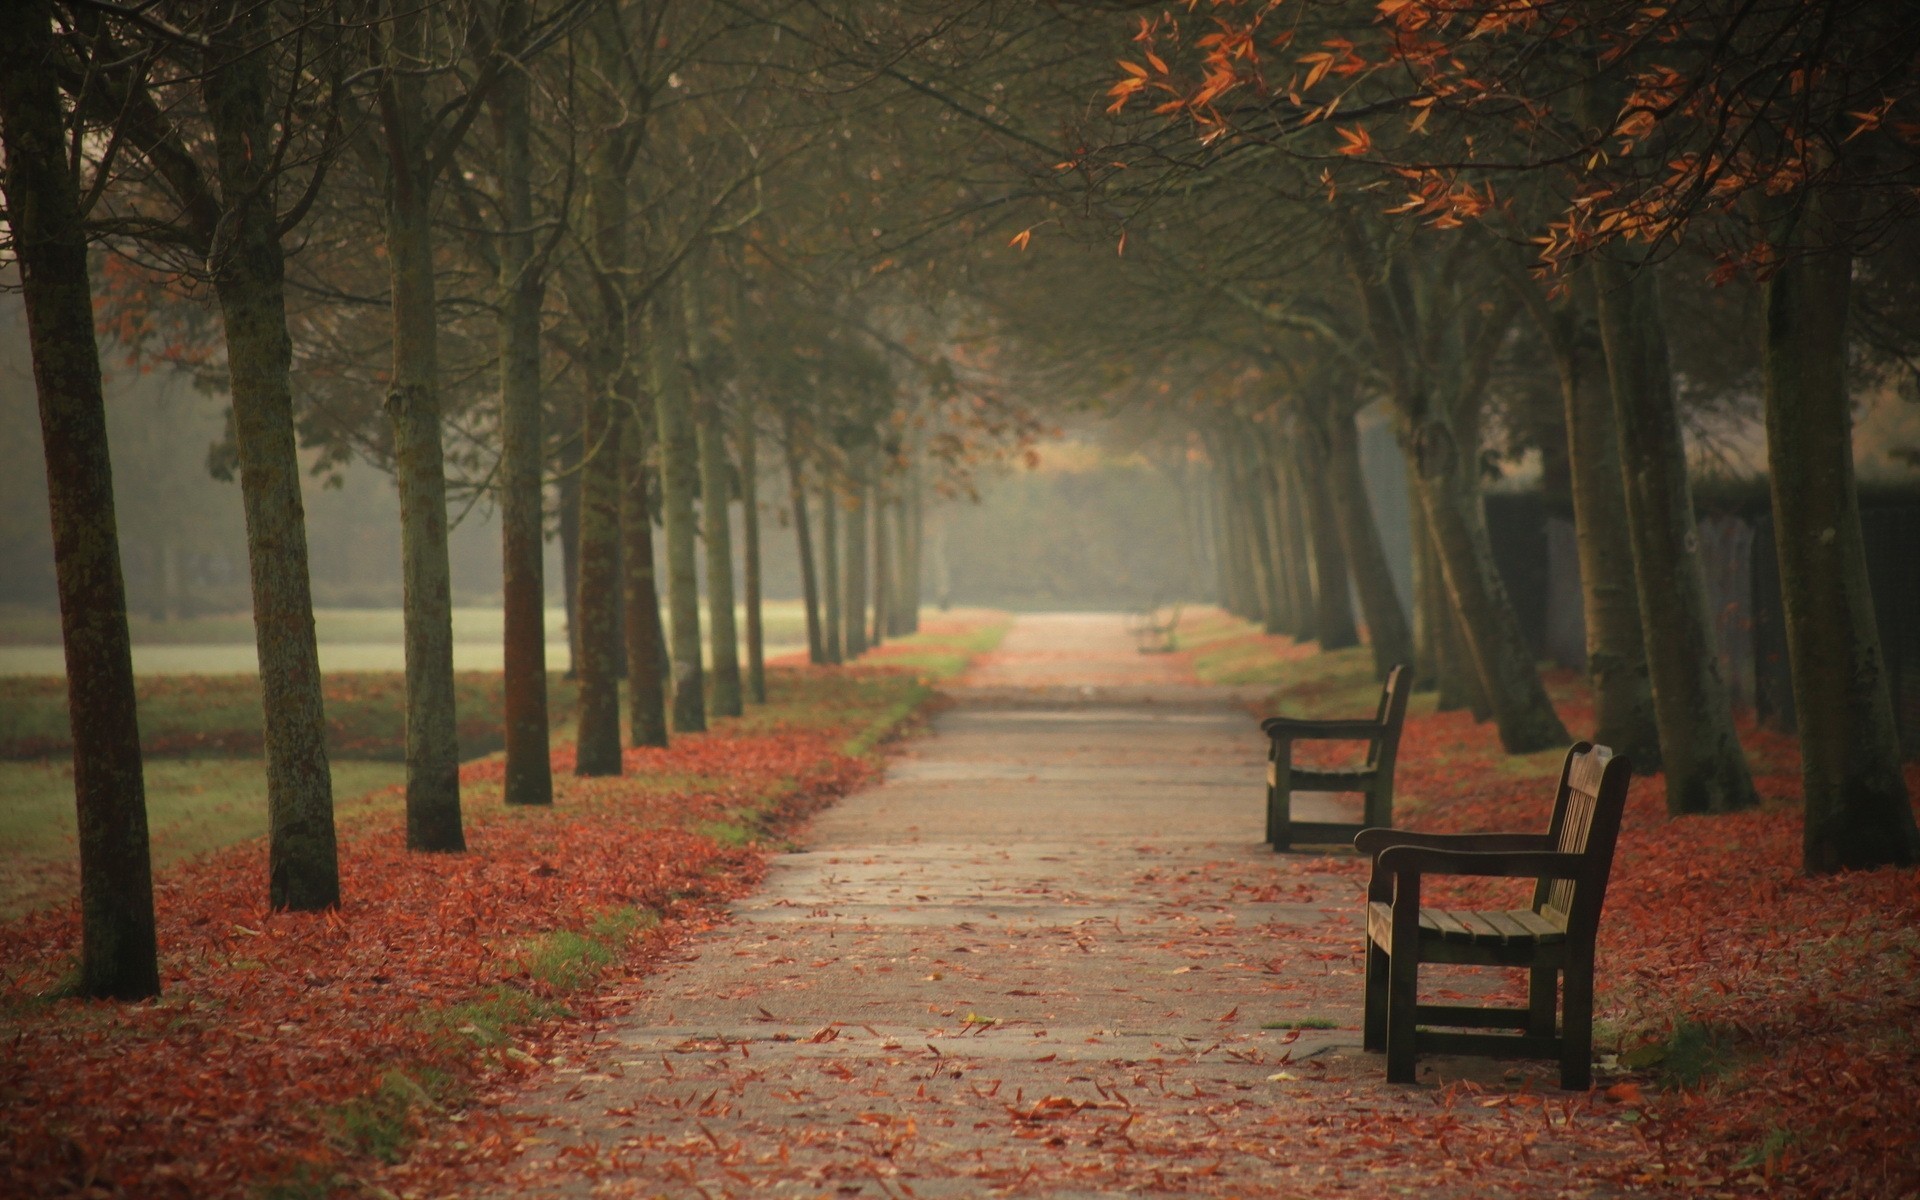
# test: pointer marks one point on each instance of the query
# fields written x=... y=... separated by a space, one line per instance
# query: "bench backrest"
x=1391 y=715
x=1586 y=821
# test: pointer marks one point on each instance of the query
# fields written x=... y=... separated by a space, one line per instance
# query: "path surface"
x=1036 y=960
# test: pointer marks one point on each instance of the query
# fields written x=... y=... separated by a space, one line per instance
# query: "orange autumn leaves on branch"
x=1647 y=117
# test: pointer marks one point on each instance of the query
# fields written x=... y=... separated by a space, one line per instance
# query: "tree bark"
x=882 y=563
x=1332 y=601
x=419 y=468
x=1706 y=769
x=750 y=556
x=679 y=476
x=803 y=546
x=1296 y=557
x=854 y=595
x=1858 y=812
x=1438 y=356
x=1616 y=651
x=830 y=571
x=1429 y=601
x=597 y=748
x=529 y=770
x=568 y=488
x=118 y=948
x=1387 y=627
x=303 y=870
x=716 y=488
x=646 y=647
x=716 y=494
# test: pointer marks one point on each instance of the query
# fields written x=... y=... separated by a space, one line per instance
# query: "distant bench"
x=1373 y=778
x=1153 y=629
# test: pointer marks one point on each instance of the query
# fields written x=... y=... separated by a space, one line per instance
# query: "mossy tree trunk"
x=1387 y=628
x=1859 y=814
x=646 y=648
x=803 y=544
x=679 y=477
x=419 y=465
x=749 y=448
x=830 y=571
x=853 y=596
x=597 y=749
x=250 y=280
x=1706 y=769
x=1332 y=599
x=118 y=947
x=522 y=285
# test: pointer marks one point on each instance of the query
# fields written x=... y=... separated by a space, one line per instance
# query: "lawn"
x=1764 y=1016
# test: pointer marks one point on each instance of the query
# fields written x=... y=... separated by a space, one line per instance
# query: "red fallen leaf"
x=1623 y=1093
x=1050 y=1108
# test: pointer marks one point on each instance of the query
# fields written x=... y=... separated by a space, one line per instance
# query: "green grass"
x=193 y=805
x=1302 y=1023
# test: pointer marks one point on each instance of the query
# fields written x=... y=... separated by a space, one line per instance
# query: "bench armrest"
x=1523 y=864
x=1300 y=730
x=1372 y=841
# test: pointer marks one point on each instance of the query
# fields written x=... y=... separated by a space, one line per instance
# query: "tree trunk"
x=1447 y=484
x=1298 y=567
x=679 y=476
x=1360 y=541
x=913 y=538
x=1283 y=615
x=568 y=487
x=118 y=949
x=803 y=545
x=830 y=570
x=1706 y=770
x=1616 y=652
x=529 y=770
x=1332 y=601
x=882 y=564
x=854 y=594
x=646 y=649
x=716 y=488
x=750 y=556
x=597 y=749
x=1266 y=570
x=1858 y=812
x=1429 y=600
x=413 y=404
x=303 y=871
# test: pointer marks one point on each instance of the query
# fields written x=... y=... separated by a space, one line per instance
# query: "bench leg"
x=1403 y=1007
x=1373 y=1030
x=1576 y=1035
x=1543 y=987
x=1280 y=798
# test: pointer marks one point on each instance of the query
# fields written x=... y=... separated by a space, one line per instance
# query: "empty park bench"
x=1553 y=938
x=1153 y=628
x=1373 y=777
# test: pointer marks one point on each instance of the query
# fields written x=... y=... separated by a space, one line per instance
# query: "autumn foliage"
x=288 y=1043
x=1762 y=1017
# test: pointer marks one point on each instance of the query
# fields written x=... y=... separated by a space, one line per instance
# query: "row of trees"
x=499 y=248
x=608 y=250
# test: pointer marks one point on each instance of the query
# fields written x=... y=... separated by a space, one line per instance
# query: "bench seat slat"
x=1511 y=927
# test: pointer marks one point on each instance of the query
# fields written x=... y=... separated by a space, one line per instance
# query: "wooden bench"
x=1374 y=777
x=1153 y=629
x=1553 y=938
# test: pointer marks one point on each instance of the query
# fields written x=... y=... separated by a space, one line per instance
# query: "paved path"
x=1037 y=960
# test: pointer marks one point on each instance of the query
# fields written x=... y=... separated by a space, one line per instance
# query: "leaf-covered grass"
x=1773 y=1012
x=287 y=1047
x=194 y=805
